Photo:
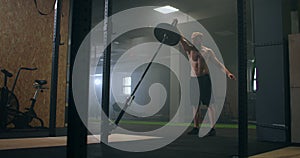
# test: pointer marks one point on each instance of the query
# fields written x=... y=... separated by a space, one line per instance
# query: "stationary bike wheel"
x=12 y=107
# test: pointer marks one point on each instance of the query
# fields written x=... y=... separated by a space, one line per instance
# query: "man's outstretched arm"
x=216 y=61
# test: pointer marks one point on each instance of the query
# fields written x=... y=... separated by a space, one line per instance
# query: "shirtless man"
x=200 y=74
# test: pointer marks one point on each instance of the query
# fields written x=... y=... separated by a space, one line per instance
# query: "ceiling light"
x=98 y=82
x=166 y=9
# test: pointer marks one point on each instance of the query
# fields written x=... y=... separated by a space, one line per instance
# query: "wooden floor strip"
x=289 y=152
x=23 y=143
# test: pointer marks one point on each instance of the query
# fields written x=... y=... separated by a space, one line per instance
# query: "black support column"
x=242 y=80
x=106 y=70
x=54 y=72
x=79 y=27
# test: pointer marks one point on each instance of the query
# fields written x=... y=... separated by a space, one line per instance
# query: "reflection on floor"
x=289 y=152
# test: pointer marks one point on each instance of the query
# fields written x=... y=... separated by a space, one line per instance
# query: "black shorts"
x=205 y=89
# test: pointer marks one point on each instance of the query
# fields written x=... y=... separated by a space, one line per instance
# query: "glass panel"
x=262 y=126
x=183 y=77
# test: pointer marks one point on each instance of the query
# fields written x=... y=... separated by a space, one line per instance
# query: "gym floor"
x=225 y=144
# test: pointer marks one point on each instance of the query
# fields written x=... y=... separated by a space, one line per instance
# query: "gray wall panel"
x=270 y=103
x=270 y=55
x=267 y=21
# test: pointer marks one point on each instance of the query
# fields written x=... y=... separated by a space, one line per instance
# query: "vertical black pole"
x=79 y=27
x=242 y=80
x=289 y=8
x=106 y=70
x=54 y=72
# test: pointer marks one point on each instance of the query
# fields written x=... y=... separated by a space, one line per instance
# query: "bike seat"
x=41 y=82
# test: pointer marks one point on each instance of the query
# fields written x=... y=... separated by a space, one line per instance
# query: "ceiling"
x=217 y=16
x=214 y=13
x=198 y=8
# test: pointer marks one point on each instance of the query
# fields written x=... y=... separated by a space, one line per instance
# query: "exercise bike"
x=9 y=105
x=8 y=99
x=22 y=120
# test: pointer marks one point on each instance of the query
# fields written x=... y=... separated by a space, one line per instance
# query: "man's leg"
x=208 y=100
x=197 y=115
x=212 y=120
x=212 y=116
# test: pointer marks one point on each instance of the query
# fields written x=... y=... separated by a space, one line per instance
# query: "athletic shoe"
x=212 y=132
x=194 y=131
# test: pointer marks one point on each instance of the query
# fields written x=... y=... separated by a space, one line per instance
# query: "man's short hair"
x=197 y=34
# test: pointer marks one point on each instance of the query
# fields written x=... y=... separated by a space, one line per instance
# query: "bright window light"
x=98 y=82
x=127 y=81
x=127 y=90
x=98 y=75
x=127 y=85
x=166 y=9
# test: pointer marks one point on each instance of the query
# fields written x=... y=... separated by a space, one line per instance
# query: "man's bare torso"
x=197 y=61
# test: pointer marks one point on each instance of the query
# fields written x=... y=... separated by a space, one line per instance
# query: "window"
x=127 y=85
